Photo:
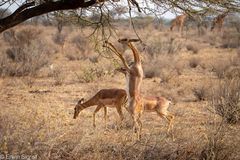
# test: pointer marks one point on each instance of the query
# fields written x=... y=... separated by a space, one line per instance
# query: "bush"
x=194 y=62
x=220 y=68
x=230 y=40
x=233 y=72
x=238 y=53
x=91 y=74
x=151 y=71
x=160 y=67
x=59 y=39
x=226 y=100
x=26 y=54
x=81 y=44
x=200 y=93
x=58 y=76
x=163 y=46
x=215 y=148
x=192 y=47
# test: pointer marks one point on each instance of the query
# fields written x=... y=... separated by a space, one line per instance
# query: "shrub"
x=26 y=54
x=194 y=62
x=238 y=52
x=57 y=76
x=200 y=93
x=220 y=68
x=215 y=148
x=151 y=71
x=226 y=100
x=21 y=38
x=233 y=72
x=59 y=39
x=81 y=44
x=160 y=67
x=192 y=47
x=174 y=46
x=230 y=40
x=166 y=75
x=72 y=57
x=91 y=74
x=163 y=46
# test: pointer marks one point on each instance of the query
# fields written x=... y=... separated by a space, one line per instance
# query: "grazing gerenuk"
x=114 y=98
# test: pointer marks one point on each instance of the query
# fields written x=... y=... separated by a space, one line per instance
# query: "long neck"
x=89 y=103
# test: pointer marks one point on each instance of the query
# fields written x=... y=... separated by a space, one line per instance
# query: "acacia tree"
x=31 y=8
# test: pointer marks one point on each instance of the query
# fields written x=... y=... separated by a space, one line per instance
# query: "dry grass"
x=226 y=100
x=36 y=112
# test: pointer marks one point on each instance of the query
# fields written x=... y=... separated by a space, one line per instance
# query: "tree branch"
x=24 y=6
x=24 y=13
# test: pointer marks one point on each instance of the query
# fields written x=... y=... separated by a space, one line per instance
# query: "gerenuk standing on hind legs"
x=134 y=76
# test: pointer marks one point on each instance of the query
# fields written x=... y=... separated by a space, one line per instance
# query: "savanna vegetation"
x=49 y=62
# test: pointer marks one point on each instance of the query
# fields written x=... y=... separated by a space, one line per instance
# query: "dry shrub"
x=216 y=147
x=194 y=62
x=220 y=68
x=163 y=46
x=230 y=40
x=238 y=53
x=166 y=75
x=82 y=45
x=150 y=69
x=179 y=67
x=211 y=39
x=89 y=75
x=72 y=57
x=192 y=47
x=26 y=139
x=28 y=80
x=232 y=72
x=23 y=37
x=57 y=76
x=80 y=42
x=227 y=68
x=59 y=38
x=92 y=73
x=200 y=93
x=26 y=55
x=226 y=100
x=163 y=67
x=235 y=59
